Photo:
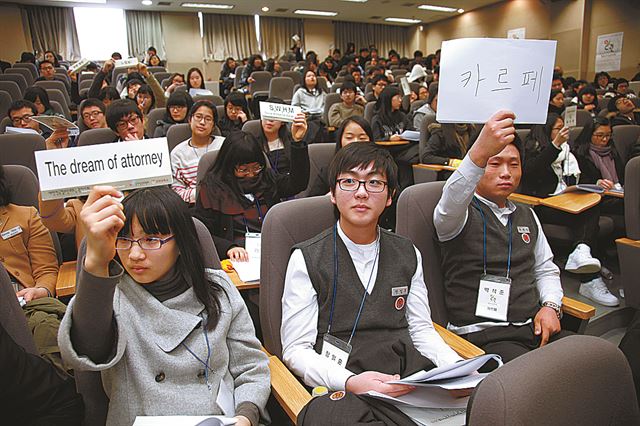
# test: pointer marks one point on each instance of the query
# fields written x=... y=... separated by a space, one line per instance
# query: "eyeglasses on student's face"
x=199 y=117
x=176 y=108
x=93 y=114
x=248 y=171
x=132 y=120
x=372 y=186
x=24 y=119
x=146 y=243
x=602 y=135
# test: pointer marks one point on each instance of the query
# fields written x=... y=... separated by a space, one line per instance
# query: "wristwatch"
x=555 y=307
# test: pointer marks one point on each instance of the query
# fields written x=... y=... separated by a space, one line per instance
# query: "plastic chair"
x=236 y=80
x=178 y=133
x=19 y=149
x=624 y=137
x=16 y=78
x=55 y=84
x=629 y=247
x=369 y=110
x=260 y=87
x=215 y=99
x=23 y=72
x=332 y=98
x=320 y=156
x=293 y=75
x=56 y=96
x=152 y=119
x=254 y=127
x=96 y=137
x=281 y=87
x=5 y=103
x=156 y=69
x=28 y=65
x=12 y=88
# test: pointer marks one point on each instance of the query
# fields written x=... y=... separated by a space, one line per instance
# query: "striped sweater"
x=184 y=165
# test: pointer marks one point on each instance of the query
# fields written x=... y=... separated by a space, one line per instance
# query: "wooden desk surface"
x=434 y=167
x=392 y=143
x=572 y=202
x=66 y=284
x=614 y=194
x=241 y=285
x=525 y=199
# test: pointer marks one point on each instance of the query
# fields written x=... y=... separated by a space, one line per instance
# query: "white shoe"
x=580 y=261
x=597 y=291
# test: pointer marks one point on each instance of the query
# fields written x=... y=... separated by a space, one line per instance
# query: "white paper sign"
x=126 y=63
x=406 y=89
x=609 y=52
x=74 y=68
x=570 y=116
x=71 y=172
x=515 y=76
x=280 y=112
x=200 y=92
x=54 y=122
x=517 y=33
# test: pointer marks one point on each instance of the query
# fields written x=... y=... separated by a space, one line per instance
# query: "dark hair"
x=383 y=105
x=611 y=105
x=377 y=78
x=145 y=89
x=28 y=58
x=304 y=81
x=348 y=85
x=418 y=53
x=22 y=103
x=237 y=99
x=174 y=75
x=178 y=98
x=618 y=82
x=556 y=76
x=152 y=49
x=132 y=81
x=34 y=92
x=540 y=135
x=188 y=80
x=433 y=92
x=55 y=57
x=601 y=74
x=360 y=121
x=588 y=90
x=360 y=155
x=44 y=61
x=160 y=210
x=204 y=103
x=116 y=55
x=5 y=191
x=108 y=92
x=583 y=141
x=119 y=109
x=92 y=102
x=554 y=93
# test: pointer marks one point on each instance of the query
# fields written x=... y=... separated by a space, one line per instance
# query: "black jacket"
x=538 y=178
x=589 y=173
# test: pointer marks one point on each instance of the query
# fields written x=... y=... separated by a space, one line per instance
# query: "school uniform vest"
x=381 y=341
x=462 y=264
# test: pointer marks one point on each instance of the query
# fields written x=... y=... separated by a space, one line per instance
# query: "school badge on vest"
x=337 y=396
x=524 y=233
x=399 y=303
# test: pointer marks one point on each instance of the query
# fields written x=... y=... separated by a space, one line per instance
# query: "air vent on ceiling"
x=281 y=10
x=164 y=3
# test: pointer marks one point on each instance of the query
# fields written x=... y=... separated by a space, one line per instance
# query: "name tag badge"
x=399 y=291
x=252 y=244
x=523 y=230
x=493 y=297
x=335 y=350
x=11 y=232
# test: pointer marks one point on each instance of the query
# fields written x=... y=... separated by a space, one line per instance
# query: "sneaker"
x=597 y=291
x=580 y=261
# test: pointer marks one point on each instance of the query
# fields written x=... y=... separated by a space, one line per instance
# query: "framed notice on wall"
x=517 y=33
x=609 y=52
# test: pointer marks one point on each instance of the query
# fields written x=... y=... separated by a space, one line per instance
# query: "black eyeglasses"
x=146 y=243
x=372 y=185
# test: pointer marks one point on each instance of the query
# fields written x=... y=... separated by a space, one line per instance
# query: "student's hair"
x=360 y=155
x=557 y=76
x=618 y=82
x=20 y=104
x=540 y=135
x=108 y=92
x=117 y=55
x=34 y=92
x=55 y=62
x=360 y=121
x=119 y=109
x=155 y=56
x=304 y=81
x=237 y=99
x=132 y=81
x=178 y=98
x=568 y=81
x=5 y=192
x=554 y=93
x=152 y=49
x=174 y=75
x=583 y=141
x=377 y=78
x=226 y=61
x=145 y=89
x=348 y=85
x=160 y=210
x=188 y=81
x=44 y=61
x=27 y=58
x=92 y=102
x=600 y=74
x=204 y=103
x=238 y=148
x=588 y=90
x=418 y=53
x=388 y=116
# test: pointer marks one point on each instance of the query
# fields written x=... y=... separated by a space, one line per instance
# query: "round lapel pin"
x=337 y=396
x=399 y=303
x=526 y=238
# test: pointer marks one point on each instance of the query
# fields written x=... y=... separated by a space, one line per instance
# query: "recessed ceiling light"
x=207 y=5
x=437 y=8
x=403 y=20
x=314 y=12
x=147 y=2
x=84 y=1
x=265 y=9
x=460 y=10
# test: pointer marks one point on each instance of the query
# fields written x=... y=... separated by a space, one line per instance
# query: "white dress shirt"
x=450 y=217
x=300 y=318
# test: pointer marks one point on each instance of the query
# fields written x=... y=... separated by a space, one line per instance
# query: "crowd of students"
x=171 y=336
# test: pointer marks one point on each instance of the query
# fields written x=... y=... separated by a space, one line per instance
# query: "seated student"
x=310 y=96
x=587 y=100
x=423 y=93
x=575 y=89
x=186 y=155
x=48 y=73
x=625 y=111
x=20 y=113
x=255 y=63
x=154 y=61
x=351 y=105
x=51 y=56
x=92 y=114
x=195 y=79
x=145 y=101
x=40 y=99
x=227 y=76
x=389 y=336
x=102 y=79
x=448 y=144
x=556 y=102
x=378 y=84
x=176 y=80
x=601 y=80
x=474 y=203
x=107 y=95
x=131 y=87
x=168 y=336
x=429 y=109
x=239 y=188
x=549 y=169
x=178 y=106
x=236 y=113
x=353 y=129
x=389 y=121
x=621 y=87
x=125 y=118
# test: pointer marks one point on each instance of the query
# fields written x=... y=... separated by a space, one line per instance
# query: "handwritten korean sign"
x=480 y=76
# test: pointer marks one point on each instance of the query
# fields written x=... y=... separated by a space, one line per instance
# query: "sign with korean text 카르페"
x=72 y=172
x=479 y=76
x=279 y=112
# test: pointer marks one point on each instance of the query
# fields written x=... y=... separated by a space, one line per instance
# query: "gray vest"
x=462 y=264
x=381 y=324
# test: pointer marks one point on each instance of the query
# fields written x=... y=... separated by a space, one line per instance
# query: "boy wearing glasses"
x=125 y=119
x=368 y=323
x=92 y=113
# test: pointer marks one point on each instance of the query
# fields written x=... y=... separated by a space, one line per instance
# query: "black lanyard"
x=206 y=364
x=484 y=240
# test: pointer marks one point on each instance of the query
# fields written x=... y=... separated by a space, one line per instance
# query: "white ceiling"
x=373 y=11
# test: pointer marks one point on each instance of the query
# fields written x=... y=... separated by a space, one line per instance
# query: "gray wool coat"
x=151 y=371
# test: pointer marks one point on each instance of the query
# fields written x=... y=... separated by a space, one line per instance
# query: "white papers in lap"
x=410 y=135
x=424 y=398
x=435 y=416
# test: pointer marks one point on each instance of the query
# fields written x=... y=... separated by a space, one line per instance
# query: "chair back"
x=12 y=88
x=17 y=79
x=55 y=84
x=523 y=133
x=156 y=69
x=152 y=120
x=335 y=87
x=96 y=137
x=215 y=99
x=416 y=105
x=624 y=137
x=28 y=65
x=281 y=87
x=178 y=133
x=632 y=198
x=19 y=149
x=399 y=73
x=591 y=383
x=12 y=317
x=85 y=84
x=56 y=96
x=323 y=84
x=253 y=127
x=162 y=75
x=261 y=82
x=285 y=225
x=368 y=111
x=5 y=103
x=583 y=118
x=285 y=65
x=320 y=156
x=115 y=74
x=574 y=132
x=293 y=75
x=57 y=108
x=415 y=221
x=205 y=163
x=85 y=77
x=23 y=72
x=236 y=80
x=330 y=99
x=425 y=134
x=220 y=111
x=4 y=123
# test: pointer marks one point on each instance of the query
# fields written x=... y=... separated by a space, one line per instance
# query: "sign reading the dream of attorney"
x=516 y=76
x=279 y=112
x=72 y=172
